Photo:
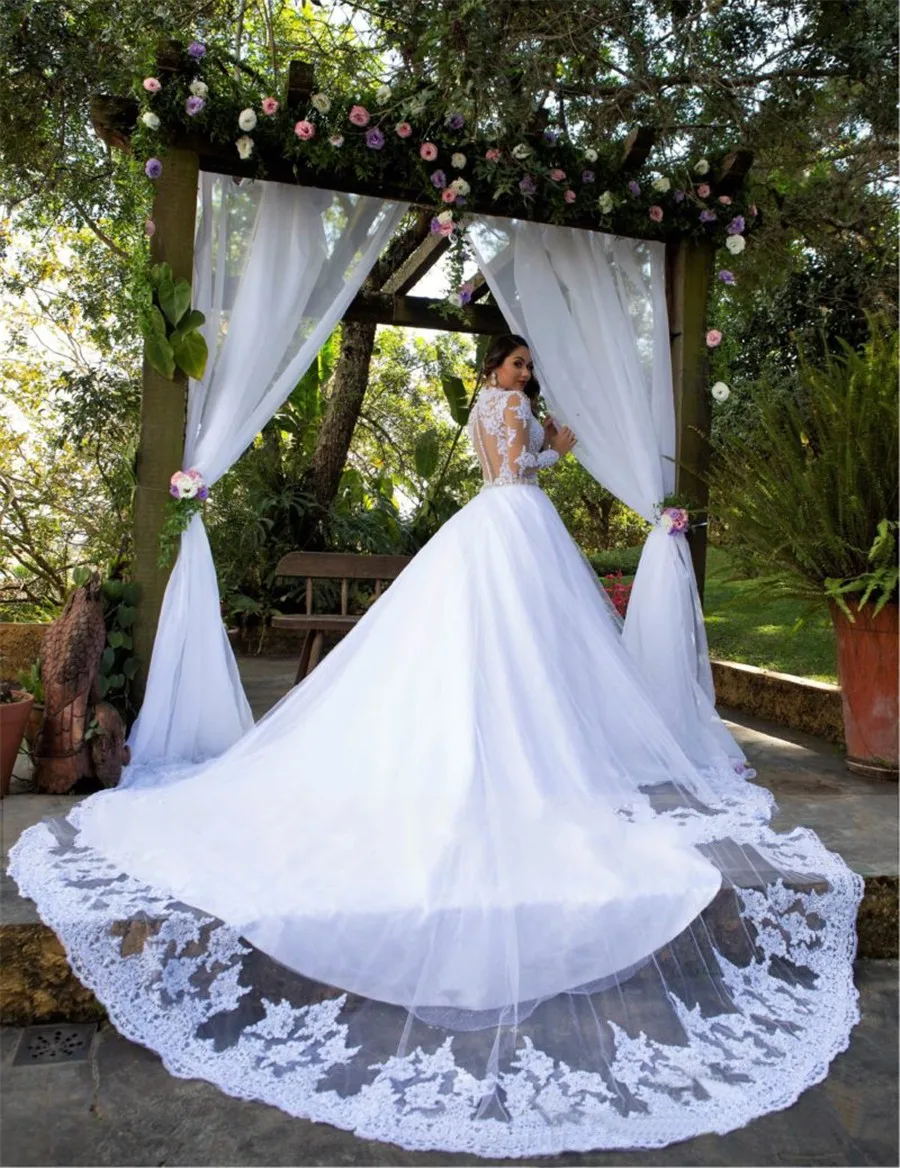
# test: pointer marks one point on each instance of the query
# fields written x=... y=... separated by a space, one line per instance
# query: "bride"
x=462 y=889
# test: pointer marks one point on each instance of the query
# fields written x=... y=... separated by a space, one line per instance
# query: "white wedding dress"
x=462 y=889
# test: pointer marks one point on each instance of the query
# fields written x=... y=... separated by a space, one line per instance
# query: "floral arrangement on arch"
x=402 y=137
x=188 y=491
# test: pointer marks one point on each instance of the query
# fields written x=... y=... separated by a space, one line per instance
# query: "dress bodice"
x=507 y=438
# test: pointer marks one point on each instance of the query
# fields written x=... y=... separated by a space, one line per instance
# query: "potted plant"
x=15 y=709
x=807 y=496
x=30 y=682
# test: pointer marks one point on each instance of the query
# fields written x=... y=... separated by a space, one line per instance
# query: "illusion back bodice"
x=507 y=438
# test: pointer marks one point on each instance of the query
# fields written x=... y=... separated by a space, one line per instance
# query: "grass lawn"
x=749 y=629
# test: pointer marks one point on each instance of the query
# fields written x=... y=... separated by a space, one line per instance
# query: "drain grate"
x=55 y=1044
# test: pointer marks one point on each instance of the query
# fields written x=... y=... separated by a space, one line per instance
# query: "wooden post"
x=689 y=266
x=163 y=404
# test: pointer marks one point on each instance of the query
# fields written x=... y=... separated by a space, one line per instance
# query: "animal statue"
x=81 y=737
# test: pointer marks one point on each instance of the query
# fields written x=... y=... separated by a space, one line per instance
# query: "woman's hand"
x=550 y=429
x=562 y=440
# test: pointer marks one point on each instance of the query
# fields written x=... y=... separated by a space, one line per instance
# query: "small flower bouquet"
x=189 y=492
x=674 y=515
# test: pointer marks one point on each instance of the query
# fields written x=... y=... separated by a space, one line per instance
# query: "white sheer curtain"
x=593 y=308
x=275 y=268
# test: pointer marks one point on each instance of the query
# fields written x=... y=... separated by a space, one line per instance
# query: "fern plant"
x=807 y=499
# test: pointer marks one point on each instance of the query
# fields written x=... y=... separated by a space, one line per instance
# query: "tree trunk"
x=336 y=429
x=351 y=378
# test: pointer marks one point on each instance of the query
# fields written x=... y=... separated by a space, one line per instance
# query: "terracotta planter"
x=868 y=668
x=13 y=720
x=35 y=721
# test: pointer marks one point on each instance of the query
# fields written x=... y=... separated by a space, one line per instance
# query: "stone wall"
x=796 y=702
x=20 y=647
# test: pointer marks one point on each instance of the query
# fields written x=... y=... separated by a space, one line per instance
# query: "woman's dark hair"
x=498 y=350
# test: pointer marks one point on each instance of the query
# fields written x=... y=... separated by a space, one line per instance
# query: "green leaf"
x=130 y=667
x=81 y=576
x=457 y=399
x=113 y=589
x=191 y=320
x=103 y=683
x=125 y=616
x=191 y=354
x=115 y=638
x=109 y=656
x=117 y=681
x=127 y=642
x=427 y=454
x=174 y=298
x=131 y=593
x=160 y=272
x=159 y=355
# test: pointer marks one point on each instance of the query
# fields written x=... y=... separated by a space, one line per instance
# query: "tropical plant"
x=807 y=497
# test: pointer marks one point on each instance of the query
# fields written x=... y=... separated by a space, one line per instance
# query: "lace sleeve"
x=519 y=459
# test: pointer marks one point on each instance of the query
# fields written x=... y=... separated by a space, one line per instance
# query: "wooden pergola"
x=689 y=272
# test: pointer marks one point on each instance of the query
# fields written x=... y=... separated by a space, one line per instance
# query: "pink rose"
x=269 y=106
x=492 y=155
x=305 y=130
x=703 y=190
x=403 y=130
x=439 y=228
x=149 y=227
x=752 y=212
x=428 y=151
x=359 y=115
x=656 y=214
x=557 y=175
x=448 y=196
x=713 y=338
x=570 y=196
x=152 y=85
x=725 y=200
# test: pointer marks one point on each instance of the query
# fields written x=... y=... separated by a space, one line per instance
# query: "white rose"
x=336 y=140
x=244 y=146
x=445 y=217
x=605 y=202
x=460 y=186
x=720 y=391
x=150 y=120
x=735 y=244
x=591 y=155
x=247 y=119
x=661 y=184
x=458 y=161
x=702 y=166
x=186 y=486
x=383 y=94
x=521 y=151
x=322 y=102
x=199 y=88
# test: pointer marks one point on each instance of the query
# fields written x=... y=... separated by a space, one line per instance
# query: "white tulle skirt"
x=462 y=889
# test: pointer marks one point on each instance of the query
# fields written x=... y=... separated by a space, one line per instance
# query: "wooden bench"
x=330 y=566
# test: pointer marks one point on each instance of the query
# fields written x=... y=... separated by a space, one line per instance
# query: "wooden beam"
x=637 y=147
x=689 y=269
x=735 y=167
x=421 y=261
x=301 y=83
x=163 y=405
x=422 y=312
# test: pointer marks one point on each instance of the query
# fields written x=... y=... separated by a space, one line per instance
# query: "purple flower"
x=707 y=216
x=727 y=277
x=439 y=180
x=203 y=493
x=527 y=185
x=455 y=121
x=374 y=138
x=587 y=176
x=460 y=201
x=153 y=168
x=196 y=50
x=465 y=292
x=679 y=196
x=634 y=188
x=194 y=105
x=551 y=137
x=736 y=226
